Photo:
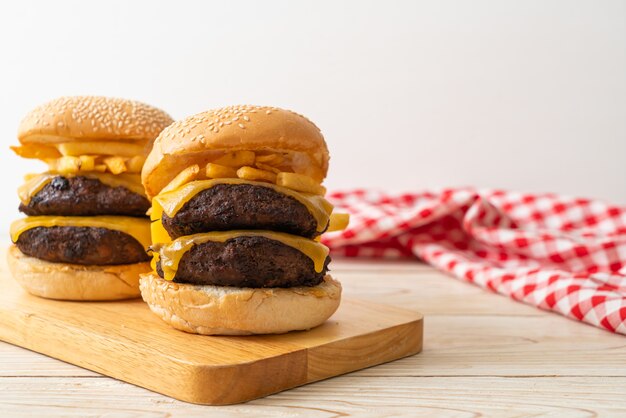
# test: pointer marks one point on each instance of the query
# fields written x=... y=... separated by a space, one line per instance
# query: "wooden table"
x=483 y=355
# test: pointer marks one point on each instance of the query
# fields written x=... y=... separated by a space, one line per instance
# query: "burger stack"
x=86 y=231
x=237 y=212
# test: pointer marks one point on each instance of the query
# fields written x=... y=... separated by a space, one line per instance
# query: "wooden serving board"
x=126 y=341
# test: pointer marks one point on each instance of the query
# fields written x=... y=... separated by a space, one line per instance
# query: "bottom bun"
x=222 y=310
x=75 y=282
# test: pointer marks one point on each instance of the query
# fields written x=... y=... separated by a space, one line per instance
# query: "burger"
x=86 y=231
x=237 y=212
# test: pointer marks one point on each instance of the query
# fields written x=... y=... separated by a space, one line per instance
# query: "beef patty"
x=81 y=245
x=84 y=196
x=241 y=206
x=247 y=262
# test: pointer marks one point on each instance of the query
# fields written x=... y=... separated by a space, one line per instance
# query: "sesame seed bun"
x=88 y=118
x=75 y=282
x=200 y=138
x=221 y=310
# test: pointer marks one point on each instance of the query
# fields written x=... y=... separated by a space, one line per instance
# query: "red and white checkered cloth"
x=561 y=254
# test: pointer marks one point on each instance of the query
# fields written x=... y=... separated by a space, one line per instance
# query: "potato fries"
x=216 y=171
x=87 y=162
x=30 y=176
x=236 y=159
x=135 y=164
x=66 y=165
x=188 y=174
x=268 y=168
x=251 y=173
x=115 y=165
x=300 y=183
x=338 y=222
x=41 y=152
x=273 y=159
x=97 y=163
x=120 y=149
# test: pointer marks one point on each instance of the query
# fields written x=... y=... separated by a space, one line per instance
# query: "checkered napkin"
x=560 y=254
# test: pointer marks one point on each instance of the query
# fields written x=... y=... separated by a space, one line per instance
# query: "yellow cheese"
x=32 y=186
x=154 y=261
x=137 y=228
x=130 y=181
x=171 y=202
x=159 y=234
x=157 y=231
x=37 y=182
x=171 y=254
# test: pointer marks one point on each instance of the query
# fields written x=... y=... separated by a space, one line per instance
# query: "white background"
x=527 y=95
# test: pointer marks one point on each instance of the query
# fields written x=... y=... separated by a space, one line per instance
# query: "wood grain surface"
x=484 y=355
x=125 y=340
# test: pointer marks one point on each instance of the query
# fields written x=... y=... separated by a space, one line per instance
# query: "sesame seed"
x=113 y=115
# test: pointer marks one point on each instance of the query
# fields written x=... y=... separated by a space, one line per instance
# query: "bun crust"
x=195 y=139
x=84 y=118
x=75 y=282
x=220 y=310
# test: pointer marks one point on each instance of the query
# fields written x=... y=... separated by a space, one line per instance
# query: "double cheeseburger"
x=237 y=212
x=86 y=230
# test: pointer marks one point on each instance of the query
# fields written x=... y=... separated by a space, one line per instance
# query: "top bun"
x=86 y=118
x=197 y=139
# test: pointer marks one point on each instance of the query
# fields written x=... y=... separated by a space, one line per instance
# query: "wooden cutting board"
x=126 y=341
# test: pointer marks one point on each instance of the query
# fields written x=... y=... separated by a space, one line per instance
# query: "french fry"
x=67 y=165
x=328 y=207
x=300 y=183
x=42 y=152
x=87 y=162
x=130 y=177
x=120 y=149
x=115 y=165
x=100 y=167
x=30 y=176
x=338 y=222
x=251 y=173
x=216 y=171
x=275 y=159
x=236 y=159
x=135 y=164
x=188 y=174
x=268 y=168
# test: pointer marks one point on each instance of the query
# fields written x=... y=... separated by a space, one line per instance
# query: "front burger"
x=86 y=231
x=237 y=211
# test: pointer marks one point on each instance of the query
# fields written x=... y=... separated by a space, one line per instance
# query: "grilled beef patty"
x=241 y=206
x=84 y=196
x=247 y=261
x=81 y=245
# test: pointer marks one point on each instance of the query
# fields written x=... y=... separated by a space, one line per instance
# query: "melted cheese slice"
x=137 y=228
x=158 y=232
x=35 y=183
x=171 y=254
x=172 y=202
